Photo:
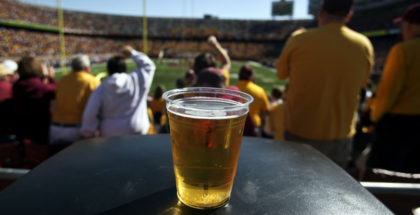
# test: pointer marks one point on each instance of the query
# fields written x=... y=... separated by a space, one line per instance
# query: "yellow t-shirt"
x=157 y=105
x=226 y=75
x=326 y=66
x=276 y=120
x=399 y=89
x=152 y=129
x=260 y=103
x=72 y=94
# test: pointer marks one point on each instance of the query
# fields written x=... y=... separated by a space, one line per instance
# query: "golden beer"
x=206 y=135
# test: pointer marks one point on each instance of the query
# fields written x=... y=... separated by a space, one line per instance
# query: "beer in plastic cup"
x=206 y=126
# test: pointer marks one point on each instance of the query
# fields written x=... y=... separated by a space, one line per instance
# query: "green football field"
x=168 y=71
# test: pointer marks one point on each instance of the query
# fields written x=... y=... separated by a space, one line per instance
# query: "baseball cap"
x=4 y=71
x=411 y=15
x=11 y=65
x=210 y=76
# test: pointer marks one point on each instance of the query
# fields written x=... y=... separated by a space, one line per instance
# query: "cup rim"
x=245 y=96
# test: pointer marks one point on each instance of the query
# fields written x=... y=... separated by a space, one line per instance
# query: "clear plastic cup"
x=206 y=126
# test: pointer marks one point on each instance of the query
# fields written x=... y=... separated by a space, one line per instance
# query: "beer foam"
x=207 y=108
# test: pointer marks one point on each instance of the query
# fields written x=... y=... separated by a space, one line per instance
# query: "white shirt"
x=119 y=105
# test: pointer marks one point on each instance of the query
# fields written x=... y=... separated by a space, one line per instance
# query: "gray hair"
x=80 y=62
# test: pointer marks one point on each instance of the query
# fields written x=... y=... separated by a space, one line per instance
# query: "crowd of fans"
x=92 y=23
x=15 y=42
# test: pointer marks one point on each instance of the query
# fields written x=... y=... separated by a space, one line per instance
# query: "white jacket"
x=119 y=105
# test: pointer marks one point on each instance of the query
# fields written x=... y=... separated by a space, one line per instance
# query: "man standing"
x=72 y=94
x=396 y=107
x=327 y=67
x=119 y=105
x=259 y=108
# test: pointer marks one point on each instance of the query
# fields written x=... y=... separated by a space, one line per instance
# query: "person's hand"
x=51 y=72
x=126 y=51
x=213 y=40
x=48 y=71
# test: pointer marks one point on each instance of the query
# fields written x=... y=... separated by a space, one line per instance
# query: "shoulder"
x=305 y=34
x=258 y=89
x=409 y=44
x=89 y=78
x=301 y=37
x=356 y=36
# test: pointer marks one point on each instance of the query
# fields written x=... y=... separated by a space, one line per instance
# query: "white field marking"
x=256 y=64
x=268 y=80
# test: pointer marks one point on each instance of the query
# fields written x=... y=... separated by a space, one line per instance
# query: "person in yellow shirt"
x=259 y=108
x=157 y=105
x=275 y=118
x=207 y=60
x=396 y=107
x=152 y=129
x=327 y=67
x=73 y=92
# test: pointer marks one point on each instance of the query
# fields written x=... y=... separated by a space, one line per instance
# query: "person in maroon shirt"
x=32 y=95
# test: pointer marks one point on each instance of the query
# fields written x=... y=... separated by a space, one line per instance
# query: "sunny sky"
x=224 y=9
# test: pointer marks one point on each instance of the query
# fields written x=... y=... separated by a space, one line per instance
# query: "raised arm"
x=221 y=52
x=145 y=66
x=142 y=60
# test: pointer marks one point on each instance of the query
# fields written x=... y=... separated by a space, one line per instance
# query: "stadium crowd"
x=38 y=105
x=92 y=23
x=15 y=42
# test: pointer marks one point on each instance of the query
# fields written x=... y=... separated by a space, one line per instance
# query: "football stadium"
x=85 y=90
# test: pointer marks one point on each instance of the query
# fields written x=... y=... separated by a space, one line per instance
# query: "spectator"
x=213 y=77
x=274 y=126
x=119 y=105
x=189 y=78
x=72 y=94
x=32 y=95
x=157 y=105
x=276 y=96
x=179 y=83
x=327 y=67
x=207 y=59
x=259 y=108
x=396 y=107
